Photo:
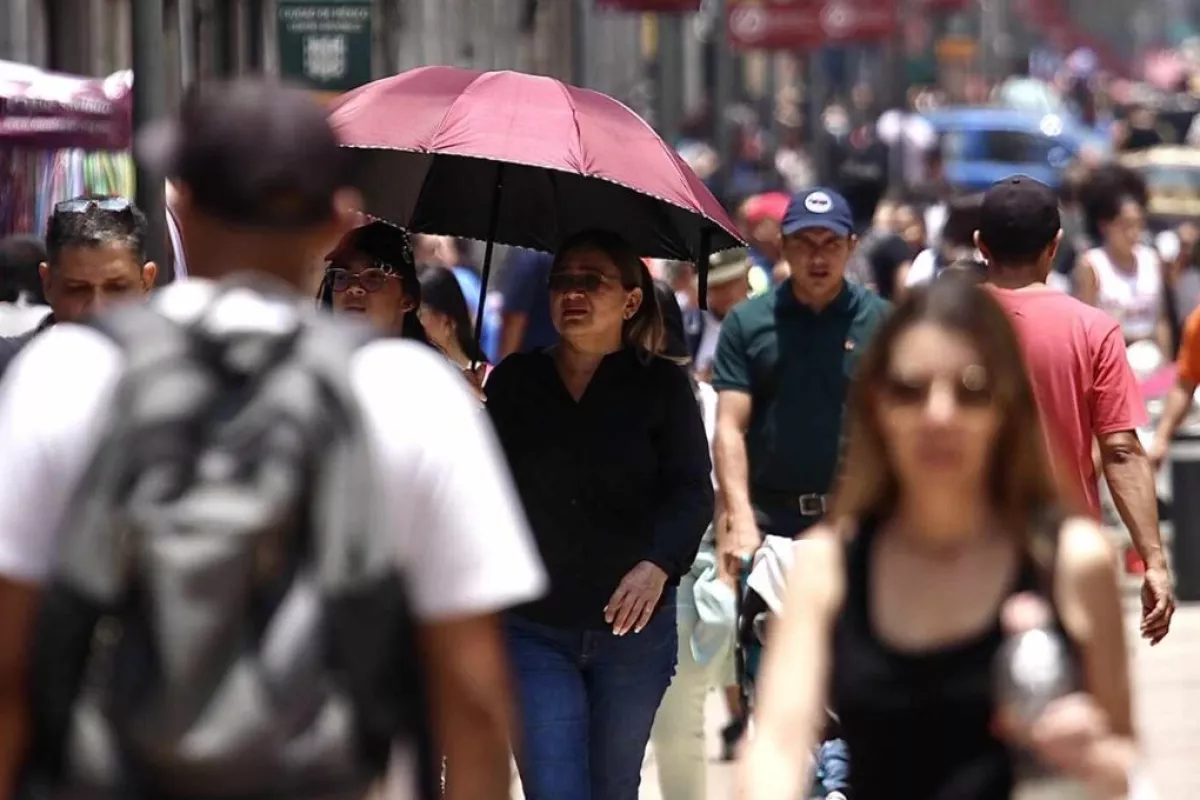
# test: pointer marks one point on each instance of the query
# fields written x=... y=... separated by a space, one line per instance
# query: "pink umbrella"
x=523 y=160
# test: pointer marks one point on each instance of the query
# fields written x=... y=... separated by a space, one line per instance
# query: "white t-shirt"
x=18 y=318
x=924 y=267
x=444 y=493
x=1133 y=299
x=710 y=334
x=707 y=396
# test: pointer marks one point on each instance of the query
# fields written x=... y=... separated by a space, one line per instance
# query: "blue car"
x=983 y=145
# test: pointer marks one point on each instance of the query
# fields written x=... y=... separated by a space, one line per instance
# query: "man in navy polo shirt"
x=783 y=364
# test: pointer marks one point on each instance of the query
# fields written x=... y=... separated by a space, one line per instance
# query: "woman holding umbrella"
x=608 y=449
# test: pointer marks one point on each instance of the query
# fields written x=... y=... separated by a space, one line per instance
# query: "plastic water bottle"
x=1033 y=669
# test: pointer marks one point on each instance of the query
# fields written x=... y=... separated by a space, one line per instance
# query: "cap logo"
x=818 y=202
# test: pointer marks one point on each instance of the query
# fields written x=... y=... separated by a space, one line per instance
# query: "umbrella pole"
x=490 y=245
x=702 y=265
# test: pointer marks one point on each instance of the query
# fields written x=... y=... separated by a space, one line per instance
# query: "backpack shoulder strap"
x=144 y=334
x=350 y=542
x=94 y=555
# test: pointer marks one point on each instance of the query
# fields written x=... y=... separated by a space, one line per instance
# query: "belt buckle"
x=811 y=505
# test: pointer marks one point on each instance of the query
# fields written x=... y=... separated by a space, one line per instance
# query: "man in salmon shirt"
x=1084 y=386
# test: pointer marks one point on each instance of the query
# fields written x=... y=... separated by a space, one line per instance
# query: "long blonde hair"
x=1023 y=486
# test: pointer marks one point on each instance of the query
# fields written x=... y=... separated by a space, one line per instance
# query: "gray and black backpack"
x=225 y=620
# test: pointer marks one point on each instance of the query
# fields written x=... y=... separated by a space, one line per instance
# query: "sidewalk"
x=1167 y=702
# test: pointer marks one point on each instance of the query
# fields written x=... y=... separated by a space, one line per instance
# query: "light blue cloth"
x=832 y=773
x=714 y=606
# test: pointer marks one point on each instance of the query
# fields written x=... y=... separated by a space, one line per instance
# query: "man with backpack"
x=246 y=548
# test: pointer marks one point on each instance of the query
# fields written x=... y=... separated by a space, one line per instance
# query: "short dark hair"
x=967 y=267
x=1018 y=220
x=94 y=226
x=20 y=257
x=962 y=219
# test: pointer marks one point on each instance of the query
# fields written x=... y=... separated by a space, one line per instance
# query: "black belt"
x=811 y=504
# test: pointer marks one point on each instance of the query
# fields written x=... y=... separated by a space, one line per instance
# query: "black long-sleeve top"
x=620 y=477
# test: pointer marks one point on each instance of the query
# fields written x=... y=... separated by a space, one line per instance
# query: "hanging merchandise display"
x=32 y=181
x=61 y=136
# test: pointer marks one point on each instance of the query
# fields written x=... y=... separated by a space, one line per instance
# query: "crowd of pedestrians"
x=567 y=504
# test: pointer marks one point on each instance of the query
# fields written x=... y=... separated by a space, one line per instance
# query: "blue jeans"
x=587 y=700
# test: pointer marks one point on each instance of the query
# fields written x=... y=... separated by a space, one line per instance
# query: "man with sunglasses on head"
x=96 y=256
x=263 y=191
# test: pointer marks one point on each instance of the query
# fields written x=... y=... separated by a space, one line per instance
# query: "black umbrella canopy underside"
x=538 y=207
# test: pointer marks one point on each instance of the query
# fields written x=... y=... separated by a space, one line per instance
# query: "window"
x=1017 y=147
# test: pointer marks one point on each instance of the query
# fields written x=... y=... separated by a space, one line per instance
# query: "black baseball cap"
x=1018 y=219
x=250 y=152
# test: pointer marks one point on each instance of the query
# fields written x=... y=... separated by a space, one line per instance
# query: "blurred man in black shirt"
x=861 y=173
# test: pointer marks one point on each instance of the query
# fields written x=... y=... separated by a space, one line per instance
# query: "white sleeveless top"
x=1134 y=300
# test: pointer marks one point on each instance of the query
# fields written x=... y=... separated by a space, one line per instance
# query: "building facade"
x=214 y=38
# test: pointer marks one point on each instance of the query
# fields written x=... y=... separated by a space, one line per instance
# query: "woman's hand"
x=635 y=599
x=475 y=380
x=1068 y=736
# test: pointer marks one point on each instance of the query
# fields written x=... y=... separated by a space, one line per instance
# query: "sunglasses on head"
x=371 y=279
x=585 y=282
x=82 y=205
x=971 y=389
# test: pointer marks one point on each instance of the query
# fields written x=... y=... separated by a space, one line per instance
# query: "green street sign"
x=325 y=44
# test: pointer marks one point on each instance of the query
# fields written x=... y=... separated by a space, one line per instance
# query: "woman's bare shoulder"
x=1086 y=579
x=1085 y=547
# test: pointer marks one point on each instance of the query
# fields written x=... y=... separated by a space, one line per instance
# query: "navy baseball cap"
x=818 y=208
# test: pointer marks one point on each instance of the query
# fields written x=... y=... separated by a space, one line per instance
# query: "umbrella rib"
x=450 y=107
x=562 y=87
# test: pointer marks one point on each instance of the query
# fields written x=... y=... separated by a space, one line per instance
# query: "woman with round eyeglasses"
x=946 y=524
x=372 y=273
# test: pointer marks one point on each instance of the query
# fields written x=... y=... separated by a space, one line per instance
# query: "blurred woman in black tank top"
x=894 y=605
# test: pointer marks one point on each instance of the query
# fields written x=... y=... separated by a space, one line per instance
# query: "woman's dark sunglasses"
x=586 y=282
x=971 y=390
x=371 y=279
